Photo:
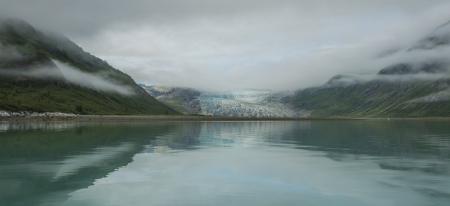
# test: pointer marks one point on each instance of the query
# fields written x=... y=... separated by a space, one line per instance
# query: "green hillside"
x=415 y=88
x=376 y=98
x=25 y=49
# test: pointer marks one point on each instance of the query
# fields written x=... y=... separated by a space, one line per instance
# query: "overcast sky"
x=235 y=44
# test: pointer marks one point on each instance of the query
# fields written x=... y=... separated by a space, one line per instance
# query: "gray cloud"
x=93 y=81
x=72 y=75
x=8 y=53
x=285 y=44
x=93 y=15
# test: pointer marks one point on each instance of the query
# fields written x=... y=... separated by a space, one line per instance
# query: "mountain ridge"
x=415 y=87
x=38 y=72
x=419 y=88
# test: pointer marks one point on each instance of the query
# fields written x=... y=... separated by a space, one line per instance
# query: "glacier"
x=240 y=103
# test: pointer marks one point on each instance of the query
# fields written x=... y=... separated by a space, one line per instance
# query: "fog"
x=69 y=74
x=347 y=80
x=93 y=81
x=226 y=45
x=8 y=53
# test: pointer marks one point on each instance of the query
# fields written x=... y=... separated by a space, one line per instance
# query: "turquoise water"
x=226 y=163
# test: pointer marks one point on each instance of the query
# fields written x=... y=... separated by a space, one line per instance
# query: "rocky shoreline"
x=126 y=118
x=59 y=116
x=35 y=115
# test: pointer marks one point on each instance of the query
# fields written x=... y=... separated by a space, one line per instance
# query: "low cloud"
x=70 y=74
x=8 y=53
x=84 y=79
x=239 y=44
x=347 y=80
x=435 y=97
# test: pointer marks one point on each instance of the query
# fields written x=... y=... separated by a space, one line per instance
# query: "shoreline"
x=144 y=118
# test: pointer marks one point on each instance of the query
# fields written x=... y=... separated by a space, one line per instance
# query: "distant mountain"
x=439 y=37
x=377 y=98
x=184 y=100
x=419 y=88
x=405 y=89
x=45 y=72
x=244 y=103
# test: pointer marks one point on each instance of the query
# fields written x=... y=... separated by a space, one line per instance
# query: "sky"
x=236 y=44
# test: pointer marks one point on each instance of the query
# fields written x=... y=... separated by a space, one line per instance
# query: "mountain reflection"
x=46 y=163
x=41 y=162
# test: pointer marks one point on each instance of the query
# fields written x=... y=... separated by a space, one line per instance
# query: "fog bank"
x=70 y=74
x=240 y=44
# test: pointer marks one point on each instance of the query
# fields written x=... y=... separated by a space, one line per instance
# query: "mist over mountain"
x=416 y=84
x=260 y=44
x=46 y=72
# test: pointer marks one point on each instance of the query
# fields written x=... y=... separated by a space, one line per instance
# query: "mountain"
x=184 y=100
x=404 y=89
x=244 y=103
x=46 y=72
x=377 y=98
x=419 y=87
x=439 y=37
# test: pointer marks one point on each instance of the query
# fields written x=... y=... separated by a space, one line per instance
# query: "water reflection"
x=226 y=163
x=47 y=162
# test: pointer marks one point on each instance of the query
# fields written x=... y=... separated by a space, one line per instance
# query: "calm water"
x=226 y=163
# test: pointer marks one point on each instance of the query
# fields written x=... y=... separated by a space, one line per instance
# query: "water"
x=226 y=163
